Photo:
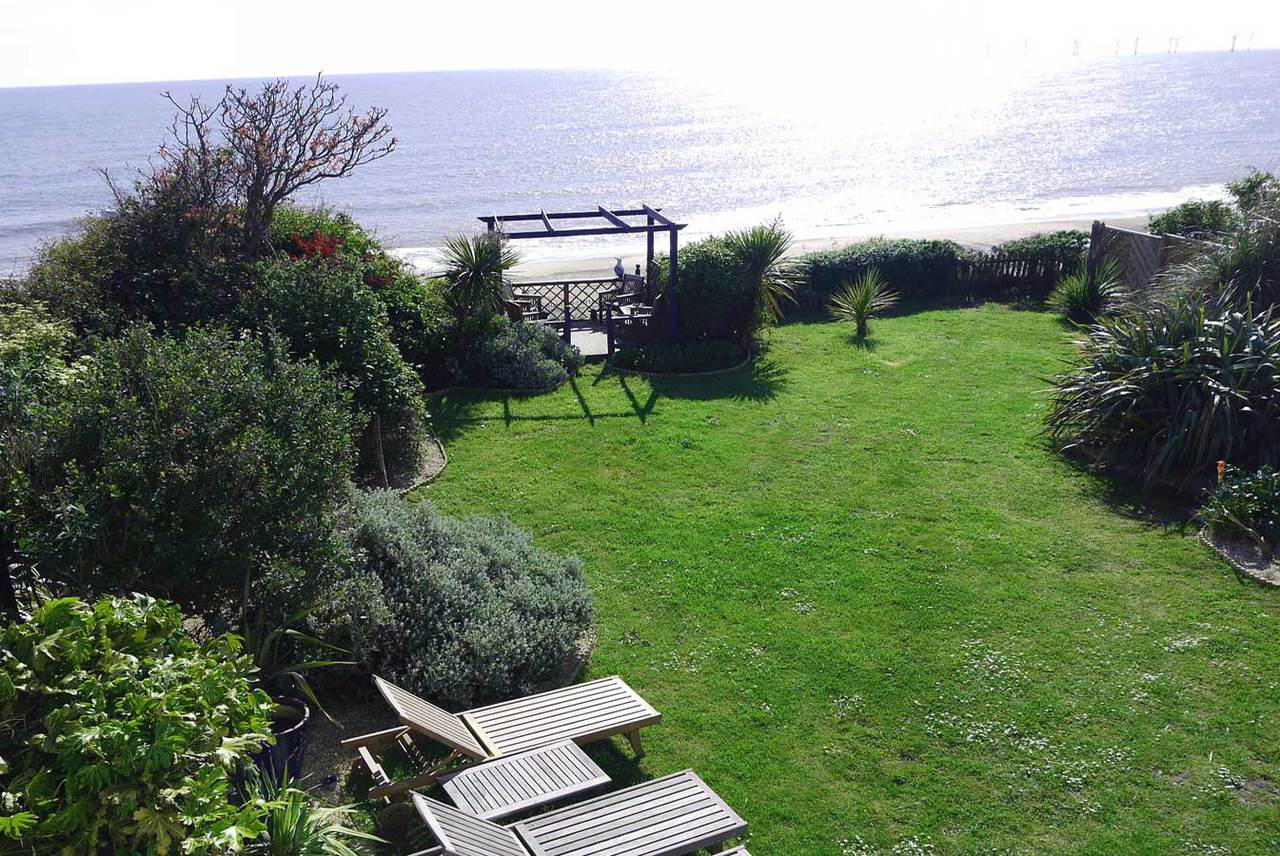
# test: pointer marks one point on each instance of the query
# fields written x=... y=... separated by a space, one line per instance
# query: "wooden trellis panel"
x=1140 y=255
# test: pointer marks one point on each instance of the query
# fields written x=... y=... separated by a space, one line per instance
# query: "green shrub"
x=327 y=313
x=472 y=610
x=678 y=358
x=1175 y=388
x=1067 y=247
x=160 y=258
x=1256 y=190
x=1248 y=504
x=861 y=300
x=176 y=467
x=1196 y=218
x=714 y=299
x=913 y=268
x=503 y=354
x=120 y=729
x=1084 y=299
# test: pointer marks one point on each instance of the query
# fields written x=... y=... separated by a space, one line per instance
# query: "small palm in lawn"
x=475 y=270
x=1084 y=299
x=861 y=300
x=762 y=252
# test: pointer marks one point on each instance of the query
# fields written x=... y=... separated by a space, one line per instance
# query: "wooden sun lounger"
x=670 y=816
x=582 y=713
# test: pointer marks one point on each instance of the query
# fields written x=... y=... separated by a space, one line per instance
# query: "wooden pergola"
x=608 y=222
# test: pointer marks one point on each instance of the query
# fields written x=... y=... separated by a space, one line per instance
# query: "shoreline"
x=970 y=236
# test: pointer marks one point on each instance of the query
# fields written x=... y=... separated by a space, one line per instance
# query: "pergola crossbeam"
x=655 y=222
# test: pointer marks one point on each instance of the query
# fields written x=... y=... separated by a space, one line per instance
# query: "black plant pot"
x=290 y=721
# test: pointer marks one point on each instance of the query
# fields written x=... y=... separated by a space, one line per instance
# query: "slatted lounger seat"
x=670 y=816
x=582 y=713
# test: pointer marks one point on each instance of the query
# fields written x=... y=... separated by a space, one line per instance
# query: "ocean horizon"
x=997 y=142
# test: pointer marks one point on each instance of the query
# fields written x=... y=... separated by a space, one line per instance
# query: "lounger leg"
x=634 y=737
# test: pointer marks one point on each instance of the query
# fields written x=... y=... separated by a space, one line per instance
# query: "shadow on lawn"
x=453 y=412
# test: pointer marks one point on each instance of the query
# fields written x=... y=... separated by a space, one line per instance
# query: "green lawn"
x=879 y=614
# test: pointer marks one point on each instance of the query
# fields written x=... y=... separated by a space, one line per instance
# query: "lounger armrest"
x=376 y=738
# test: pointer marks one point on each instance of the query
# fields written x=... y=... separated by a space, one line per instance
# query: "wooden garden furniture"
x=526 y=780
x=582 y=713
x=670 y=816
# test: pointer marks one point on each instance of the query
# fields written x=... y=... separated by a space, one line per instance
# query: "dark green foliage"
x=1196 y=218
x=1084 y=299
x=120 y=730
x=163 y=258
x=475 y=273
x=667 y=358
x=1248 y=504
x=471 y=610
x=1172 y=390
x=325 y=311
x=503 y=354
x=913 y=268
x=178 y=466
x=1066 y=246
x=1256 y=190
x=1245 y=261
x=715 y=300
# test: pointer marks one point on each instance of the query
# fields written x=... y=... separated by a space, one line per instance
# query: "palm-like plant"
x=769 y=275
x=861 y=300
x=276 y=648
x=298 y=826
x=1084 y=299
x=475 y=271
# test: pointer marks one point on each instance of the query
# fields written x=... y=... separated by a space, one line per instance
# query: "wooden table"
x=526 y=780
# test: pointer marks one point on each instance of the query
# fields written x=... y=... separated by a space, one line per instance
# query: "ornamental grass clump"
x=1084 y=298
x=861 y=300
x=1174 y=388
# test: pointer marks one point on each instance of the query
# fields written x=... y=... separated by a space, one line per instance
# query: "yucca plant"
x=862 y=299
x=281 y=650
x=299 y=826
x=1175 y=388
x=1084 y=299
x=761 y=252
x=475 y=274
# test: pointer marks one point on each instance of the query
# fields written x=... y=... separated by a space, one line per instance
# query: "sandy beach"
x=976 y=237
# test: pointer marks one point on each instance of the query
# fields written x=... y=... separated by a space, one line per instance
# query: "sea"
x=904 y=144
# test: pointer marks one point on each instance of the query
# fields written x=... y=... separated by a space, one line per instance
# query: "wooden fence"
x=1139 y=255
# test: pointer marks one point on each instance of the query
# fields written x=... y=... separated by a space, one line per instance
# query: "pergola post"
x=648 y=264
x=672 y=279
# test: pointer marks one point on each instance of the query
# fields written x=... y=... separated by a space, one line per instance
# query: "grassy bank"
x=877 y=611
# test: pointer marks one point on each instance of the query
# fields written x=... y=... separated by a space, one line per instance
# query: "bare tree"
x=254 y=150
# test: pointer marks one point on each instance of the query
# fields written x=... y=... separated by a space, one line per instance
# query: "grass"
x=879 y=614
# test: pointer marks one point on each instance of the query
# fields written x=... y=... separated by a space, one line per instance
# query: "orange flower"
x=1222 y=471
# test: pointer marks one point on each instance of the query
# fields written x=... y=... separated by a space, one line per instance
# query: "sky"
x=54 y=42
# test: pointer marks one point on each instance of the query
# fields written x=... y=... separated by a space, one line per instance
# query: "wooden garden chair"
x=671 y=816
x=583 y=713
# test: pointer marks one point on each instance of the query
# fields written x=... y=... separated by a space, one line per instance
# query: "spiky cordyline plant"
x=299 y=826
x=475 y=271
x=1084 y=299
x=861 y=300
x=762 y=252
x=1175 y=388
